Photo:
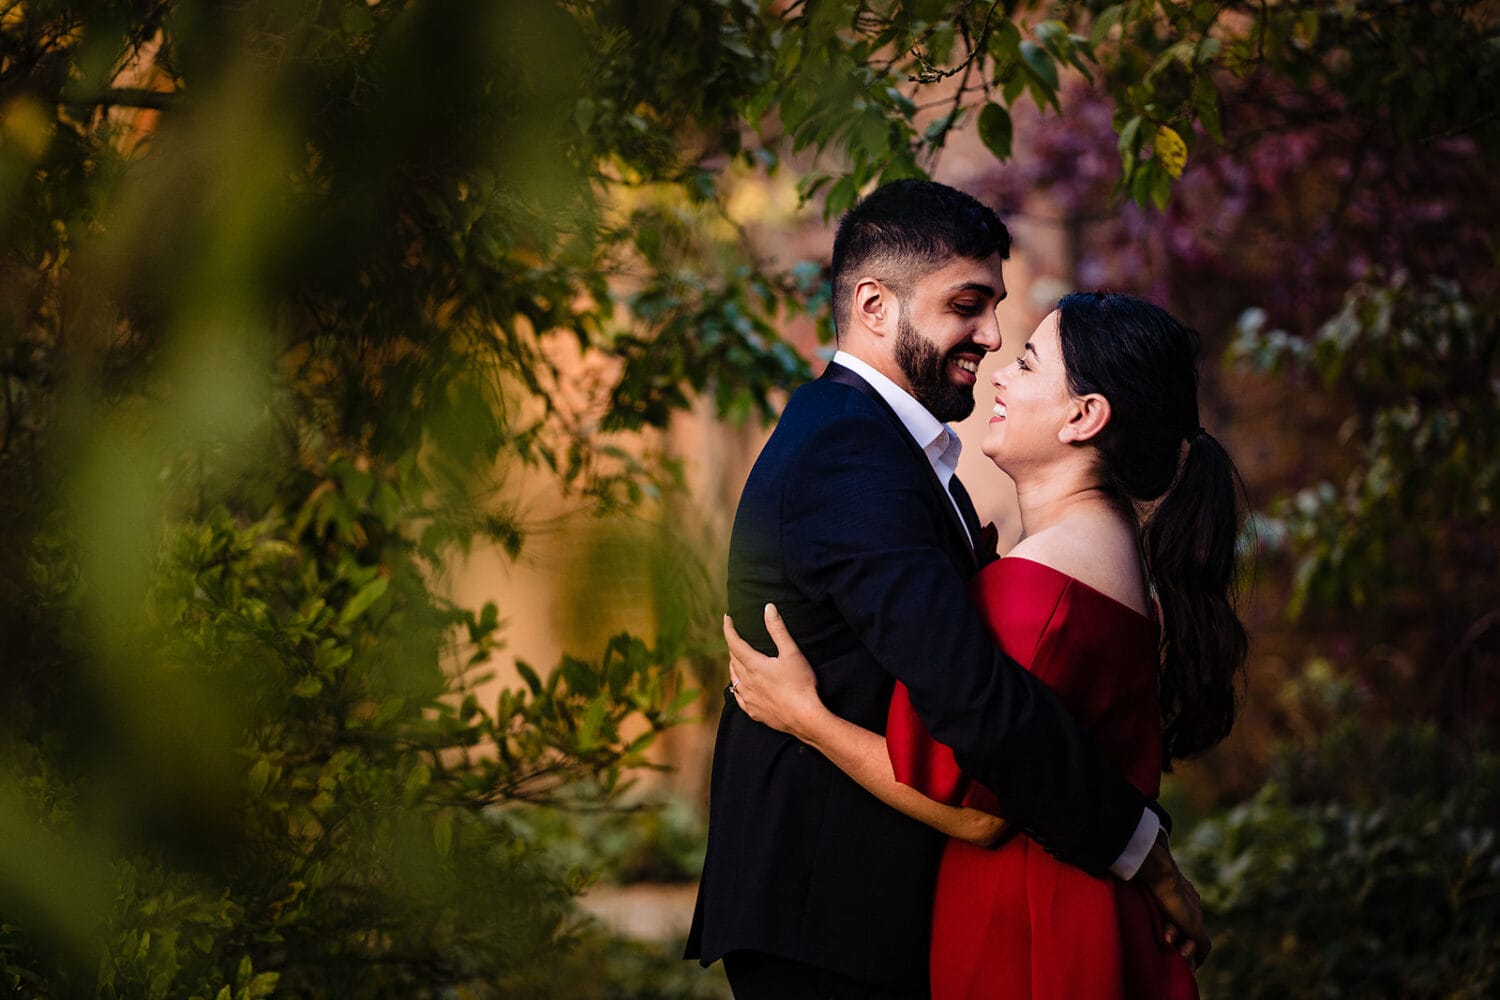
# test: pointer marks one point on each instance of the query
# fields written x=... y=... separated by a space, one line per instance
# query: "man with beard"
x=811 y=887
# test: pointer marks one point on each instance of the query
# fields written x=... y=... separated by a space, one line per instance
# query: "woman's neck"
x=1051 y=497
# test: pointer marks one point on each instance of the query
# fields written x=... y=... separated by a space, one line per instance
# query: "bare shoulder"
x=1100 y=551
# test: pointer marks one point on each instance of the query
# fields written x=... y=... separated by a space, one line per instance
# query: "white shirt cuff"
x=1129 y=862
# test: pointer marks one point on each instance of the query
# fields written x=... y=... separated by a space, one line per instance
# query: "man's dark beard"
x=927 y=371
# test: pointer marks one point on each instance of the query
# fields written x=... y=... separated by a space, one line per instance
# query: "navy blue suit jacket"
x=846 y=528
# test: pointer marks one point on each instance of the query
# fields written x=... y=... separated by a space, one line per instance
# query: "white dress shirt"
x=942 y=447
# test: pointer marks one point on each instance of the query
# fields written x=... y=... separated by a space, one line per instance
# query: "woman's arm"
x=862 y=755
x=784 y=696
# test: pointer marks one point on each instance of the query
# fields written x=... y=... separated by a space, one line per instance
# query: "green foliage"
x=1423 y=365
x=1333 y=900
x=659 y=841
x=844 y=90
x=285 y=290
x=1368 y=867
x=336 y=824
x=713 y=326
x=1166 y=64
x=598 y=967
x=887 y=84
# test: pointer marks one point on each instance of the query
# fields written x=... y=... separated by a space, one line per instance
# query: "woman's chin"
x=993 y=450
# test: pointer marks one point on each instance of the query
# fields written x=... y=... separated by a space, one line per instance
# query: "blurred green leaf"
x=259 y=776
x=995 y=130
x=366 y=596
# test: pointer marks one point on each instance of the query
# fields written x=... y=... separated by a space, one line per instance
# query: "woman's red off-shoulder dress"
x=1015 y=922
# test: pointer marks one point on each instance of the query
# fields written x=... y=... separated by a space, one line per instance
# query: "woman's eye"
x=1021 y=364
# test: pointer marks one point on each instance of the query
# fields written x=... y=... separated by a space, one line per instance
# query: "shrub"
x=1370 y=867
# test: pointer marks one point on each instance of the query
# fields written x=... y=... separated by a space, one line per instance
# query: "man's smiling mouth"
x=968 y=364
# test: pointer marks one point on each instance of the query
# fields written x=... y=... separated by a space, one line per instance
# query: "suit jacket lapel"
x=838 y=373
x=966 y=508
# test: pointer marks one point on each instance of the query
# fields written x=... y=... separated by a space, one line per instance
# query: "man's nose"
x=988 y=334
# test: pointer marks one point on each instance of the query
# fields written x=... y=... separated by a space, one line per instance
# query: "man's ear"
x=1087 y=417
x=875 y=306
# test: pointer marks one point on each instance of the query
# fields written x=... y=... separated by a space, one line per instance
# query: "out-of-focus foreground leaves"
x=284 y=285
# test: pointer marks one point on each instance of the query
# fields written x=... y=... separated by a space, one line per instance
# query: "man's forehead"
x=966 y=274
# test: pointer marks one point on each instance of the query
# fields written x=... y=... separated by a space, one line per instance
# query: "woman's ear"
x=1088 y=417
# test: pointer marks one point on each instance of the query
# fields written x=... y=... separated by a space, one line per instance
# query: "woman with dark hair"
x=1119 y=595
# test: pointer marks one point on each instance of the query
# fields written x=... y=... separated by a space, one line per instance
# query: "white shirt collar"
x=934 y=437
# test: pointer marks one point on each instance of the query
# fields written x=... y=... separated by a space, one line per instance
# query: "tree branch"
x=929 y=74
x=1461 y=128
x=128 y=97
x=9 y=416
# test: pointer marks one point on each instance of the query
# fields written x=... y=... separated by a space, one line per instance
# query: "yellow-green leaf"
x=367 y=595
x=263 y=985
x=1171 y=151
x=419 y=778
x=259 y=777
x=1105 y=22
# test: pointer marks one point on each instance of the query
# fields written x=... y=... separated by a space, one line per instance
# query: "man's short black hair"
x=905 y=230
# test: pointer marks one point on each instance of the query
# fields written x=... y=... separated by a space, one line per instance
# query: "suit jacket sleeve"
x=862 y=531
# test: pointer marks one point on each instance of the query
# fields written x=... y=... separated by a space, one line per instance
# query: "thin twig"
x=1467 y=126
x=128 y=97
x=9 y=416
x=928 y=74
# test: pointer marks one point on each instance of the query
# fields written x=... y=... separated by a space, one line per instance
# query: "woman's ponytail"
x=1189 y=543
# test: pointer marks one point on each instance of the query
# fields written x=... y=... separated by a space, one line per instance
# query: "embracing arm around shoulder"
x=862 y=533
x=782 y=693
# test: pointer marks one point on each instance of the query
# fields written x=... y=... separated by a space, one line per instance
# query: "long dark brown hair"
x=1154 y=450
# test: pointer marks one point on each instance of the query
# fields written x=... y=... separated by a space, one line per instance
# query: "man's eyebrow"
x=987 y=291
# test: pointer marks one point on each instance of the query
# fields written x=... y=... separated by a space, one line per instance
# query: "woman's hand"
x=977 y=827
x=781 y=691
x=1182 y=910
